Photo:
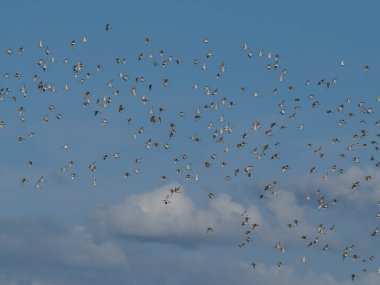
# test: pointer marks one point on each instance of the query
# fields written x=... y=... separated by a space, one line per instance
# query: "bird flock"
x=212 y=130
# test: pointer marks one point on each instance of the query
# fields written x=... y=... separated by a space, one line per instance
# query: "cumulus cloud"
x=146 y=215
x=59 y=255
x=340 y=187
x=279 y=222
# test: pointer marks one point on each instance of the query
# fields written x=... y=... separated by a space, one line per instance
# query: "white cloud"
x=146 y=215
x=340 y=187
x=282 y=210
x=46 y=246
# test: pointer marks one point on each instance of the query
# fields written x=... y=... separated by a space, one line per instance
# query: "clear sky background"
x=120 y=231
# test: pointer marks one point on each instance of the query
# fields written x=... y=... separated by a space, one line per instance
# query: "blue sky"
x=71 y=232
